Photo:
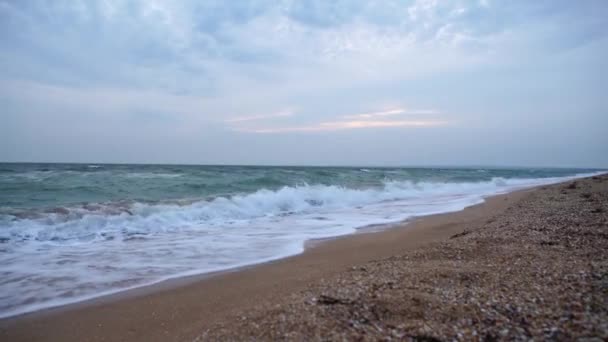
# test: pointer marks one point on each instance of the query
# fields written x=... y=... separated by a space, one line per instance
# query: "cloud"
x=347 y=125
x=214 y=49
x=391 y=112
x=191 y=65
x=101 y=101
x=281 y=114
x=345 y=122
x=344 y=125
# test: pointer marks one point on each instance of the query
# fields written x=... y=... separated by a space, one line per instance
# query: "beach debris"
x=572 y=186
x=463 y=233
x=329 y=300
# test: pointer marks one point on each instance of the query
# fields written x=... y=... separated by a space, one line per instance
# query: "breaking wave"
x=90 y=222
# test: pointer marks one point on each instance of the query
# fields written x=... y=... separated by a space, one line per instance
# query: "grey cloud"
x=162 y=80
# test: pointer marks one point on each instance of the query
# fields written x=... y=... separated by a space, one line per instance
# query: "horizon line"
x=422 y=166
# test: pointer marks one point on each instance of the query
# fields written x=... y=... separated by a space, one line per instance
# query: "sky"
x=285 y=82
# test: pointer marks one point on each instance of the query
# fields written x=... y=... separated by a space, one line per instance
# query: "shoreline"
x=186 y=279
x=177 y=281
x=194 y=276
x=189 y=304
x=197 y=275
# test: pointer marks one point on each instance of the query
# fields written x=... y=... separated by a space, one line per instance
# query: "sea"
x=71 y=232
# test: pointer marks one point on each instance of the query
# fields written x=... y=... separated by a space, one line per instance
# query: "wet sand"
x=223 y=306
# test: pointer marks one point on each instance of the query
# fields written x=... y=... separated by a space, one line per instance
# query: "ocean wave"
x=90 y=222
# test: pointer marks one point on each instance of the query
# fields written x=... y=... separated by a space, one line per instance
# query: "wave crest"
x=119 y=220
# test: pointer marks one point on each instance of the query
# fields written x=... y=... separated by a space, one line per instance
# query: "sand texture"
x=538 y=270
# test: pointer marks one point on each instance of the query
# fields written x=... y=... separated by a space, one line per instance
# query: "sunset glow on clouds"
x=352 y=121
x=343 y=125
x=391 y=112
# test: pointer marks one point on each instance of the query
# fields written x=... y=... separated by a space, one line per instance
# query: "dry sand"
x=526 y=264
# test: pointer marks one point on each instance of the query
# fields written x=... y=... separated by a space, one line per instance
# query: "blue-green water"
x=52 y=185
x=74 y=231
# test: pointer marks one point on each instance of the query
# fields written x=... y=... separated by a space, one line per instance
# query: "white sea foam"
x=70 y=254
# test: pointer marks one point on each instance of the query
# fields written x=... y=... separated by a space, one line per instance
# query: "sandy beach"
x=529 y=264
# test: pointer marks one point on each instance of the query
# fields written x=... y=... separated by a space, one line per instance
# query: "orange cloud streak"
x=343 y=125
